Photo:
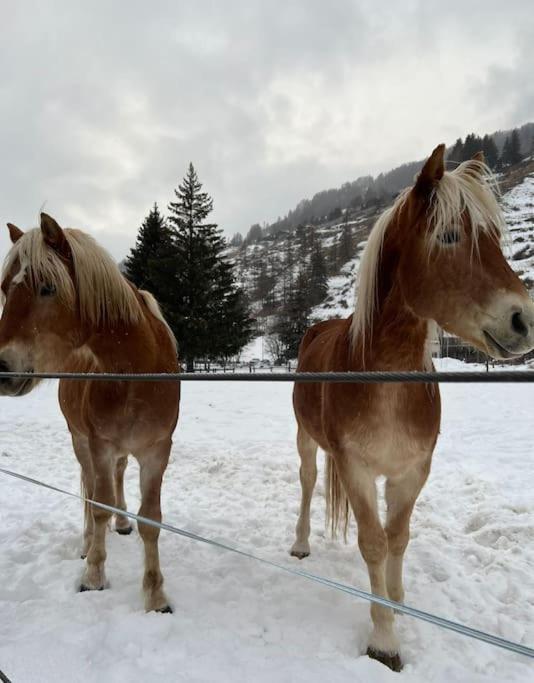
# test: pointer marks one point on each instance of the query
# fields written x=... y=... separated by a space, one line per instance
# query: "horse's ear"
x=479 y=156
x=14 y=232
x=432 y=172
x=54 y=236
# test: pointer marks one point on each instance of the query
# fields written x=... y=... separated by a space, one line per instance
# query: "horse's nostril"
x=518 y=325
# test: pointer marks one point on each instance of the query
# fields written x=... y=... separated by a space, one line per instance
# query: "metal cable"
x=344 y=588
x=499 y=377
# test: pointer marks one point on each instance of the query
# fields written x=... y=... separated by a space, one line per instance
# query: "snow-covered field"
x=234 y=476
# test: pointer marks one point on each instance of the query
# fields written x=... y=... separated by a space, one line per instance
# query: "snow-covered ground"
x=234 y=476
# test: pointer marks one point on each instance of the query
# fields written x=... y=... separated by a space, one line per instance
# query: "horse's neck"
x=121 y=348
x=397 y=339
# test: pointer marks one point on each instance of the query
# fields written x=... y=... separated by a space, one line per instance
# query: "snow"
x=254 y=349
x=234 y=476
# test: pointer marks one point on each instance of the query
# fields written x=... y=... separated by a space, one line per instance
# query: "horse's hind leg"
x=152 y=462
x=307 y=449
x=122 y=524
x=401 y=494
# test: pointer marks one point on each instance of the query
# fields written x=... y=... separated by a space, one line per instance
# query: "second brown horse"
x=435 y=256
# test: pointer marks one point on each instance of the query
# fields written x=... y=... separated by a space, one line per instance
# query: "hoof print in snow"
x=85 y=589
x=165 y=610
x=125 y=531
x=299 y=553
x=392 y=661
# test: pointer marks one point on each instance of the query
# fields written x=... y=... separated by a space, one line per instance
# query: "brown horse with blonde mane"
x=434 y=257
x=68 y=308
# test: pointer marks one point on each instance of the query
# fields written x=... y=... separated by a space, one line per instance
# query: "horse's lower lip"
x=493 y=343
x=23 y=386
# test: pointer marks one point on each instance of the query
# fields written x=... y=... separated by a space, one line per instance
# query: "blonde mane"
x=153 y=306
x=103 y=294
x=470 y=189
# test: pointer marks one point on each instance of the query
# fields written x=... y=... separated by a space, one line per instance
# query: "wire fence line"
x=500 y=377
x=374 y=377
x=428 y=617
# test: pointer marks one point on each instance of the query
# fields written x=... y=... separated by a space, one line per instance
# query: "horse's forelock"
x=471 y=190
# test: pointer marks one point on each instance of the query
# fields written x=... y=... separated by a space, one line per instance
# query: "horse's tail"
x=337 y=504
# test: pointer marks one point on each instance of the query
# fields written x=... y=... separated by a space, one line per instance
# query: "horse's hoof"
x=301 y=554
x=82 y=557
x=124 y=531
x=392 y=661
x=165 y=610
x=83 y=588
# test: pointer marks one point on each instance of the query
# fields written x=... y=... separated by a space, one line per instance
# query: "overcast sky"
x=104 y=103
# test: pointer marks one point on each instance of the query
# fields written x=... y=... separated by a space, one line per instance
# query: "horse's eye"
x=451 y=237
x=47 y=290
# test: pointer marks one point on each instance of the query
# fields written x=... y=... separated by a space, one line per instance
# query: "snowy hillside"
x=518 y=205
x=233 y=476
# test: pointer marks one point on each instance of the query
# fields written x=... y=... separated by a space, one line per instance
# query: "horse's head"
x=448 y=236
x=39 y=322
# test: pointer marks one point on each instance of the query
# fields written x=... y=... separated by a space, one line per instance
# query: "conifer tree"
x=491 y=153
x=318 y=282
x=515 y=147
x=456 y=152
x=511 y=152
x=346 y=243
x=153 y=243
x=294 y=320
x=205 y=308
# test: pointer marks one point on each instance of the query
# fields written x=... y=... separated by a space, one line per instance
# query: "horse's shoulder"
x=322 y=340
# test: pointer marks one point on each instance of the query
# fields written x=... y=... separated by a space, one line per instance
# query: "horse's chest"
x=397 y=431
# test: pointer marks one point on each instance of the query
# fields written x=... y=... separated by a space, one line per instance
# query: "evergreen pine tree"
x=491 y=153
x=287 y=272
x=318 y=281
x=294 y=320
x=506 y=154
x=515 y=147
x=237 y=240
x=346 y=243
x=456 y=152
x=153 y=243
x=473 y=144
x=204 y=306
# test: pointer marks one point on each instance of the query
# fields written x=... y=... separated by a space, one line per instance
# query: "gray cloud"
x=102 y=105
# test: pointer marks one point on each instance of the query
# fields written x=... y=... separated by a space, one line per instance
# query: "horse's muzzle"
x=14 y=386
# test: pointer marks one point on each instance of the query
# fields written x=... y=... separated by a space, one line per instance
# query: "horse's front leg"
x=81 y=449
x=102 y=457
x=152 y=462
x=360 y=488
x=401 y=494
